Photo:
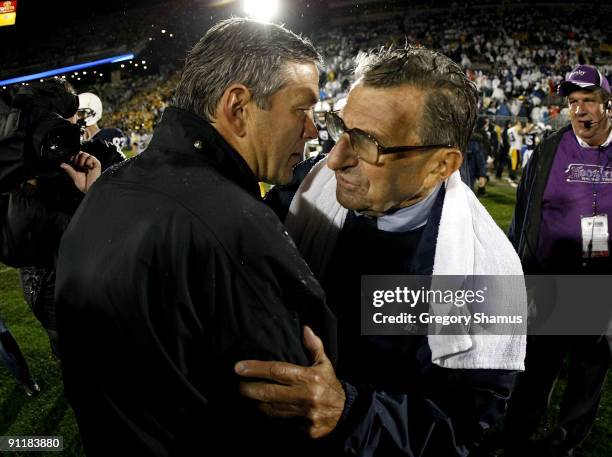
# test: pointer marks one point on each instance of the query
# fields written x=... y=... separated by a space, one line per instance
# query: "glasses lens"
x=334 y=126
x=365 y=148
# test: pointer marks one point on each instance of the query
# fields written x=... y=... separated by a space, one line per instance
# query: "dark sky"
x=43 y=18
x=39 y=11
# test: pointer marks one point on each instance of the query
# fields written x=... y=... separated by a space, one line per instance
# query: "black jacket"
x=524 y=231
x=171 y=271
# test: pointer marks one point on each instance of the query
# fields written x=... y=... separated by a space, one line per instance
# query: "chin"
x=347 y=201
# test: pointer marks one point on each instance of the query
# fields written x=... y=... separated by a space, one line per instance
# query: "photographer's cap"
x=583 y=77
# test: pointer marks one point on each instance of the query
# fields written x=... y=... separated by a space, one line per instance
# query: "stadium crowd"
x=516 y=57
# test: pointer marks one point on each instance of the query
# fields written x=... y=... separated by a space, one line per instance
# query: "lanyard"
x=602 y=171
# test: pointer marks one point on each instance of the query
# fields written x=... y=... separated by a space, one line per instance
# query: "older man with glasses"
x=388 y=199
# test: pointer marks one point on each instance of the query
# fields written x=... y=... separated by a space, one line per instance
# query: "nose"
x=579 y=108
x=310 y=129
x=342 y=155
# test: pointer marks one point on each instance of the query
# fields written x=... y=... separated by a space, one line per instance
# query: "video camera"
x=35 y=136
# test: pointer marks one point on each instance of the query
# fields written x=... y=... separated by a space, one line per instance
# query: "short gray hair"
x=239 y=51
x=604 y=96
x=451 y=101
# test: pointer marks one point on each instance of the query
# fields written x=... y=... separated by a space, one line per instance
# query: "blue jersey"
x=111 y=135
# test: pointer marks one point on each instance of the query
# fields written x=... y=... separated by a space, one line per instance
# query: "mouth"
x=342 y=181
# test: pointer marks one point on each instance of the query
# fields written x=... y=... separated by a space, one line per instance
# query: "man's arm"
x=28 y=227
x=370 y=420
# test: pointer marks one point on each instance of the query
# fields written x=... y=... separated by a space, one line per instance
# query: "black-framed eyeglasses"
x=365 y=145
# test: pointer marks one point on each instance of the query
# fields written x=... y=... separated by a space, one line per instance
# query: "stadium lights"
x=264 y=10
x=163 y=31
x=59 y=71
x=171 y=35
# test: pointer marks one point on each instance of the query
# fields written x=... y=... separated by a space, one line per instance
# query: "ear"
x=446 y=162
x=231 y=109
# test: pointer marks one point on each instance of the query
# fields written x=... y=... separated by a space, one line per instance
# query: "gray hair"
x=451 y=102
x=239 y=51
x=604 y=96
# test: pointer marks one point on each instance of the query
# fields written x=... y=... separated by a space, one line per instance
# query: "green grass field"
x=50 y=414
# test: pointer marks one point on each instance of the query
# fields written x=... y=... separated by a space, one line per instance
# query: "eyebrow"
x=378 y=135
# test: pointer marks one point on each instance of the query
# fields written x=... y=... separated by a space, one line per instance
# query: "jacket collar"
x=184 y=132
x=424 y=256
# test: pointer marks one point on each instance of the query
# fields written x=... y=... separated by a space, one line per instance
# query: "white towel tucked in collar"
x=469 y=243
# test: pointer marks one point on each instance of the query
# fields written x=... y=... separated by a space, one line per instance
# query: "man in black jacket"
x=564 y=187
x=387 y=206
x=173 y=268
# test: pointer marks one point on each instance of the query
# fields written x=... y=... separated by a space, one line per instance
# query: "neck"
x=415 y=199
x=601 y=137
x=91 y=131
x=236 y=145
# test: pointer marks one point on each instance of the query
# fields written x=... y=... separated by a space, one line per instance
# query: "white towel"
x=315 y=217
x=469 y=243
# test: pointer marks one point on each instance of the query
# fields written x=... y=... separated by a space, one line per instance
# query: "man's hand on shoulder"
x=288 y=390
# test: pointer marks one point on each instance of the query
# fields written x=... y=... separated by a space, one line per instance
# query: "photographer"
x=44 y=171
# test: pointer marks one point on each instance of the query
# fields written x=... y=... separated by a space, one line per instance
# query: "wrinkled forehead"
x=390 y=114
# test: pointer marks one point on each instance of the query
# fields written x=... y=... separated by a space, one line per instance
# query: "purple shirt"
x=575 y=173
